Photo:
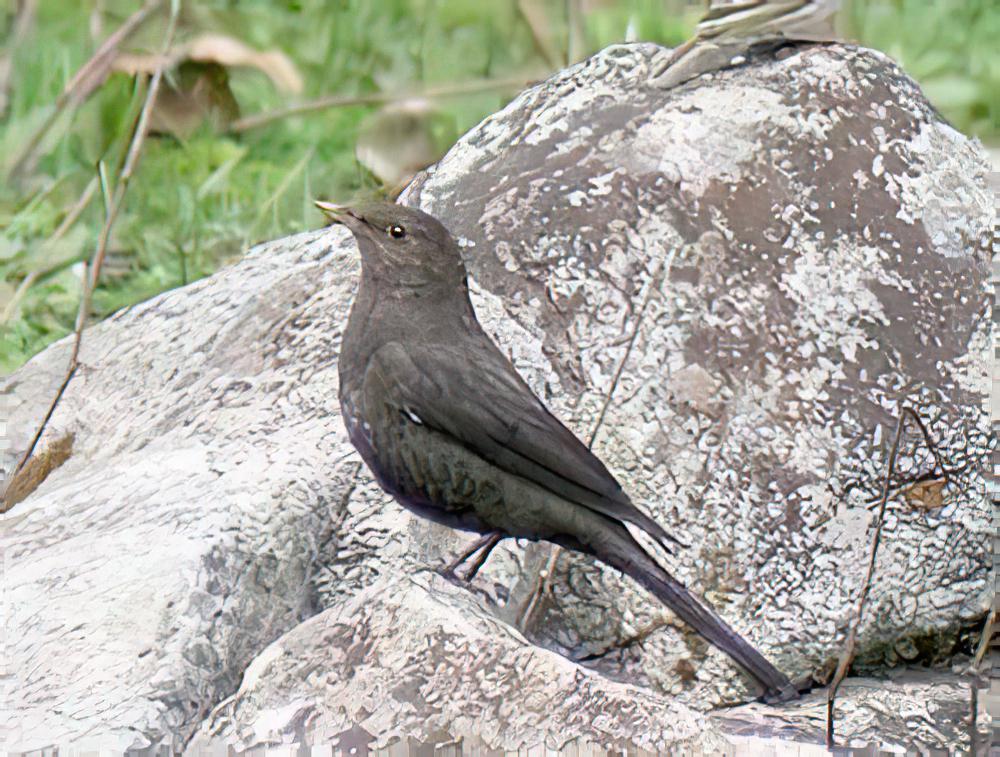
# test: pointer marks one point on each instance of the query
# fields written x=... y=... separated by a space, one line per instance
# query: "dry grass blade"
x=576 y=33
x=87 y=79
x=986 y=639
x=376 y=98
x=536 y=16
x=850 y=646
x=90 y=277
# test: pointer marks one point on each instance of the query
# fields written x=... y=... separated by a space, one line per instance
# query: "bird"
x=729 y=29
x=454 y=434
x=749 y=19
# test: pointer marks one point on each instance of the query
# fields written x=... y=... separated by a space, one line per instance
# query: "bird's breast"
x=425 y=471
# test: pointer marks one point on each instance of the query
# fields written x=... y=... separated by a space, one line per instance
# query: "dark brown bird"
x=450 y=429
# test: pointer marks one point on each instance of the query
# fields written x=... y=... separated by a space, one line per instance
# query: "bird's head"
x=400 y=245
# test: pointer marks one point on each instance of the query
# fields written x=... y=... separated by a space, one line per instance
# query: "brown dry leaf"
x=197 y=92
x=36 y=470
x=227 y=51
x=926 y=495
x=134 y=64
x=198 y=88
x=223 y=51
x=193 y=93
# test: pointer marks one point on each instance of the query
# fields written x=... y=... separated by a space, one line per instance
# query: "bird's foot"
x=484 y=546
x=789 y=693
x=450 y=574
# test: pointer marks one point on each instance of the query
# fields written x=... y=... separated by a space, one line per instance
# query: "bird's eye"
x=396 y=232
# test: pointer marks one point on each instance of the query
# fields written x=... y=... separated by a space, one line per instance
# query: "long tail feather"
x=623 y=552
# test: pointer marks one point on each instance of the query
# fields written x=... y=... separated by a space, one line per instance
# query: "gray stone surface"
x=776 y=258
x=732 y=286
x=415 y=657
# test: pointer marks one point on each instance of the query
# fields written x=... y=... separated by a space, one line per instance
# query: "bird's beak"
x=340 y=214
x=335 y=213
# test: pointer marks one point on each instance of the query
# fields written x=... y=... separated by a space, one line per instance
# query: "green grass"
x=952 y=47
x=197 y=203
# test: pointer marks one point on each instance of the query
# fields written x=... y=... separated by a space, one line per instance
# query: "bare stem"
x=87 y=79
x=374 y=98
x=91 y=277
x=850 y=646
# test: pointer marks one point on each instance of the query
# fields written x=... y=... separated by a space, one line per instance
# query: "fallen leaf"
x=222 y=50
x=36 y=470
x=926 y=495
x=227 y=51
x=196 y=88
x=197 y=92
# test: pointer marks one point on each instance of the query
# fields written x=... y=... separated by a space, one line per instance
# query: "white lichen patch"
x=713 y=147
x=829 y=286
x=936 y=192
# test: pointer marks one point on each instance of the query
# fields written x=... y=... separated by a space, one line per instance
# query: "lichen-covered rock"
x=732 y=287
x=910 y=712
x=416 y=657
x=181 y=535
x=737 y=285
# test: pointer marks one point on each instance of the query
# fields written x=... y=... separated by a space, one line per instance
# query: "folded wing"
x=494 y=414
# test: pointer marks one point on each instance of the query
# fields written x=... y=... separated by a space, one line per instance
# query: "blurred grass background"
x=209 y=184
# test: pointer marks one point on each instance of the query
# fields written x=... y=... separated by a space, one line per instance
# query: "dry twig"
x=87 y=79
x=91 y=276
x=986 y=639
x=850 y=646
x=375 y=98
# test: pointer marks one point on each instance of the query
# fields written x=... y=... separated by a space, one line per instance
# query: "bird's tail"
x=620 y=550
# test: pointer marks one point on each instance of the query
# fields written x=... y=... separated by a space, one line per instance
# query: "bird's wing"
x=480 y=400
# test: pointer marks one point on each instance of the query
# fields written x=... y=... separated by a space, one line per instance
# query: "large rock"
x=732 y=286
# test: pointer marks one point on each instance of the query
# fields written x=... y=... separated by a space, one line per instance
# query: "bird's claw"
x=450 y=574
x=797 y=689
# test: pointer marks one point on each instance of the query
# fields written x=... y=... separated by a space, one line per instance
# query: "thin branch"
x=90 y=277
x=87 y=79
x=985 y=639
x=935 y=453
x=375 y=98
x=70 y=372
x=850 y=646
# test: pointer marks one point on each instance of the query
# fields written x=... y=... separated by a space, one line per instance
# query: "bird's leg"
x=490 y=542
x=486 y=543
